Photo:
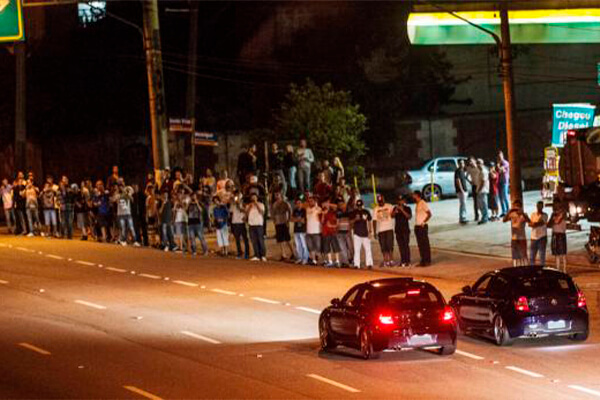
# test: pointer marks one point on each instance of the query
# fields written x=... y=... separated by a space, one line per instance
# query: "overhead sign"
x=570 y=116
x=11 y=21
x=184 y=125
x=526 y=26
x=205 y=139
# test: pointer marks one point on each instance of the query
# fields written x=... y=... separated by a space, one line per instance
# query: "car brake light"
x=448 y=315
x=581 y=302
x=522 y=304
x=386 y=319
x=413 y=292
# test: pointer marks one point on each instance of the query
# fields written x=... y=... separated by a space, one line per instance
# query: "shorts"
x=282 y=233
x=313 y=242
x=519 y=249
x=559 y=244
x=386 y=241
x=102 y=220
x=330 y=244
x=223 y=236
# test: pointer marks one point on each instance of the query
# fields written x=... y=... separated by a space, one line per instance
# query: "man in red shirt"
x=330 y=224
x=323 y=190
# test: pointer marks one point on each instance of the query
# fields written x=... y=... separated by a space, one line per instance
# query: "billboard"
x=570 y=116
x=11 y=21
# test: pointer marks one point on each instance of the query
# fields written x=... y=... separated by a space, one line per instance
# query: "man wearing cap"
x=361 y=227
x=384 y=224
x=423 y=215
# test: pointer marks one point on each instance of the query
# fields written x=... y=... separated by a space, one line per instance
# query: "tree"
x=332 y=125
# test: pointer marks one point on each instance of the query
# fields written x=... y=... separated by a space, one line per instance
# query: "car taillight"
x=448 y=315
x=522 y=304
x=386 y=319
x=413 y=292
x=581 y=303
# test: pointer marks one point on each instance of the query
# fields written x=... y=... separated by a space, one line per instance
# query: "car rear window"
x=410 y=298
x=540 y=285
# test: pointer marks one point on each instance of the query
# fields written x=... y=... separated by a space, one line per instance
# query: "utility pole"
x=20 y=155
x=158 y=113
x=512 y=136
x=191 y=84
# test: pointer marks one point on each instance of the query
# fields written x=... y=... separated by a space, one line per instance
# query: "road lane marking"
x=200 y=337
x=221 y=291
x=3 y=282
x=34 y=348
x=263 y=300
x=88 y=304
x=115 y=269
x=585 y=390
x=469 y=355
x=524 y=371
x=2 y=245
x=142 y=393
x=55 y=257
x=333 y=383
x=307 y=309
x=26 y=250
x=89 y=264
x=184 y=283
x=150 y=276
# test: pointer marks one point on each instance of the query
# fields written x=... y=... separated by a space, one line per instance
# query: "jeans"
x=20 y=220
x=403 y=239
x=223 y=236
x=482 y=201
x=504 y=203
x=50 y=218
x=9 y=214
x=462 y=210
x=422 y=234
x=66 y=223
x=304 y=178
x=126 y=224
x=197 y=231
x=33 y=218
x=301 y=248
x=475 y=203
x=241 y=233
x=257 y=237
x=539 y=245
x=360 y=242
x=292 y=177
x=342 y=238
x=167 y=238
x=181 y=231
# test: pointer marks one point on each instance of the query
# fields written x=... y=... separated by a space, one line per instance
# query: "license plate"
x=557 y=324
x=420 y=340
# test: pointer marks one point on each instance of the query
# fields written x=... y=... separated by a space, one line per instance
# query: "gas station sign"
x=11 y=21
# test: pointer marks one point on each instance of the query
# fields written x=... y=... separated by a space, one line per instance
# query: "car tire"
x=501 y=334
x=437 y=191
x=447 y=350
x=366 y=345
x=580 y=337
x=325 y=338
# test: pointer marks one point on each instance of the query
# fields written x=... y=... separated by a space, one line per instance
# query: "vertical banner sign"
x=566 y=117
x=11 y=21
x=598 y=72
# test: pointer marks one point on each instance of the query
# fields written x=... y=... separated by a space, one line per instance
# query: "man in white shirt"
x=539 y=235
x=313 y=229
x=483 y=190
x=305 y=159
x=255 y=210
x=422 y=216
x=384 y=224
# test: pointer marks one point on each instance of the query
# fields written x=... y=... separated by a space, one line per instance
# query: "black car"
x=522 y=302
x=389 y=314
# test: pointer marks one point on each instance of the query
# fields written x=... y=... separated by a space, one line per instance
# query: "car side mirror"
x=467 y=290
x=335 y=302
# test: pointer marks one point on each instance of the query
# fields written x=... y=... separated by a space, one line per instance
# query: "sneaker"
x=337 y=265
x=369 y=267
x=42 y=234
x=254 y=259
x=136 y=244
x=298 y=262
x=263 y=259
x=123 y=243
x=83 y=238
x=166 y=248
x=30 y=234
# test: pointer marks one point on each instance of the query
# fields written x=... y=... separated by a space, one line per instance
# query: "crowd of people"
x=316 y=222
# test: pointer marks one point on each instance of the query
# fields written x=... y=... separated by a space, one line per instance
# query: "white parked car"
x=436 y=177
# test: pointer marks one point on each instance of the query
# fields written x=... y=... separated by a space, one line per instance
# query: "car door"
x=358 y=313
x=472 y=308
x=444 y=175
x=498 y=295
x=337 y=314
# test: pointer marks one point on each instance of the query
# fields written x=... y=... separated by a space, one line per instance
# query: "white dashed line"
x=24 y=249
x=2 y=245
x=116 y=269
x=200 y=337
x=265 y=300
x=469 y=355
x=55 y=257
x=333 y=383
x=88 y=304
x=142 y=393
x=585 y=390
x=524 y=371
x=184 y=283
x=221 y=291
x=89 y=264
x=3 y=282
x=307 y=309
x=35 y=348
x=150 y=276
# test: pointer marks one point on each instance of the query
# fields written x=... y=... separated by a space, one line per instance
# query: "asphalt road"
x=86 y=320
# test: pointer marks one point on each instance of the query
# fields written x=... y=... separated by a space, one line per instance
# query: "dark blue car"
x=522 y=302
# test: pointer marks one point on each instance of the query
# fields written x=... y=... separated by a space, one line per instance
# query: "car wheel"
x=580 y=337
x=429 y=192
x=447 y=350
x=325 y=338
x=366 y=345
x=501 y=335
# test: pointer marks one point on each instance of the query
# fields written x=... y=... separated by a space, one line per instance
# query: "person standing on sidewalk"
x=384 y=226
x=281 y=213
x=343 y=235
x=330 y=244
x=462 y=191
x=305 y=159
x=221 y=218
x=504 y=173
x=402 y=214
x=196 y=225
x=6 y=191
x=299 y=220
x=483 y=191
x=361 y=228
x=255 y=211
x=558 y=223
x=313 y=230
x=473 y=177
x=539 y=234
x=518 y=219
x=238 y=225
x=423 y=215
